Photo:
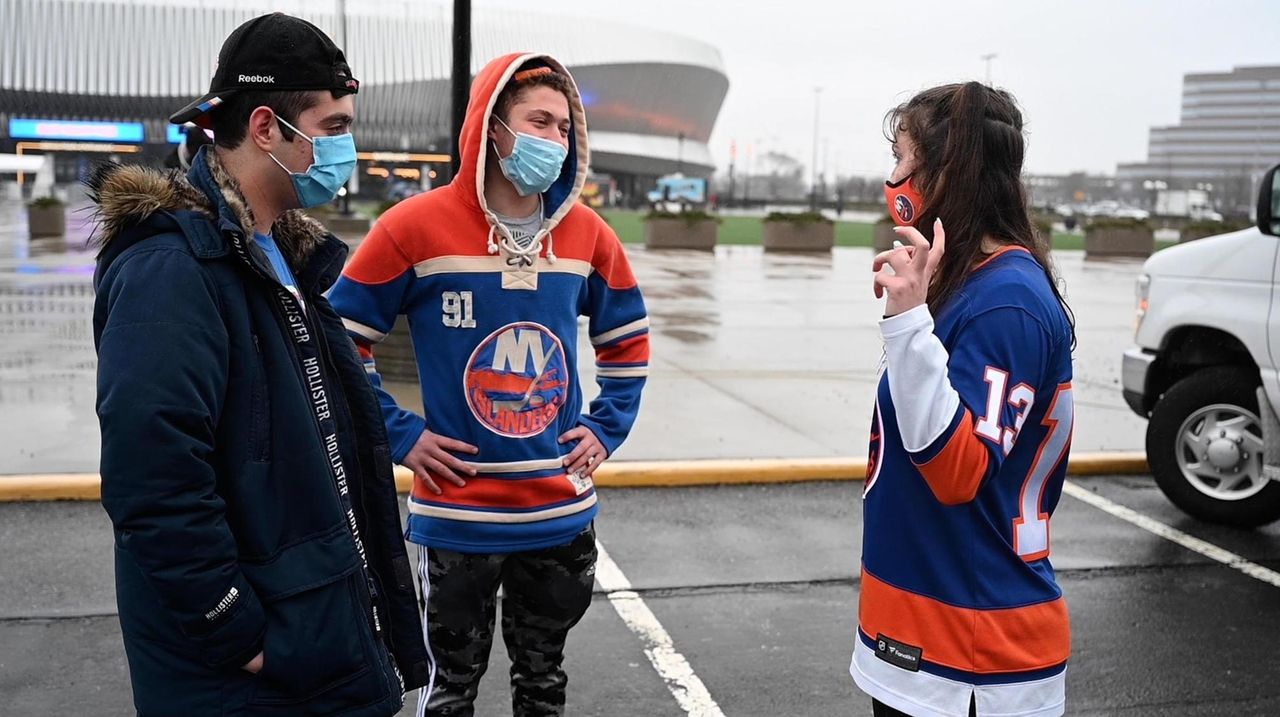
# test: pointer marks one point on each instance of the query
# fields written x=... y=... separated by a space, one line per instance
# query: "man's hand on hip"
x=587 y=456
x=433 y=454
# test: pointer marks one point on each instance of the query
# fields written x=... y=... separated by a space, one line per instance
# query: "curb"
x=625 y=474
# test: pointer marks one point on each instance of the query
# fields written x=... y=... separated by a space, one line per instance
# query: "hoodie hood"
x=475 y=147
x=129 y=196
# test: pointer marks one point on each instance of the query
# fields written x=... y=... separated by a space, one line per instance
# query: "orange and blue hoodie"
x=495 y=335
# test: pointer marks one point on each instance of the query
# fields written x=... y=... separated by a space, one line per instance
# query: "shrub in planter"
x=322 y=213
x=804 y=231
x=1116 y=237
x=684 y=230
x=1202 y=229
x=1044 y=226
x=47 y=217
x=354 y=225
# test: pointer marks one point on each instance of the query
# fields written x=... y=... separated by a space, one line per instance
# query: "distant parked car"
x=1131 y=213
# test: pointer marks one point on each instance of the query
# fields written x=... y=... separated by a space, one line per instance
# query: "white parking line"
x=1190 y=542
x=690 y=693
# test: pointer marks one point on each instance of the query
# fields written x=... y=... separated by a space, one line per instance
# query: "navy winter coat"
x=245 y=464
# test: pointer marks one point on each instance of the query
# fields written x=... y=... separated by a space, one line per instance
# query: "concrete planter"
x=47 y=221
x=394 y=355
x=799 y=236
x=1106 y=242
x=883 y=236
x=348 y=226
x=674 y=233
x=351 y=229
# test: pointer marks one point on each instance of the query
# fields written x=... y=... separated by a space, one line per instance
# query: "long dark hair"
x=969 y=148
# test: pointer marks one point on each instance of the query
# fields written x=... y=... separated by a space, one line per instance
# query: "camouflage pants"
x=545 y=592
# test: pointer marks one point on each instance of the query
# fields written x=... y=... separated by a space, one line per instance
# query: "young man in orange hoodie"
x=493 y=272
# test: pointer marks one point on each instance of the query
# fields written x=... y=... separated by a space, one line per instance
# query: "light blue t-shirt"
x=283 y=274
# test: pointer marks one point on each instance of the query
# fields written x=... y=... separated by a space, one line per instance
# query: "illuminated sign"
x=76 y=147
x=76 y=130
x=401 y=157
x=177 y=133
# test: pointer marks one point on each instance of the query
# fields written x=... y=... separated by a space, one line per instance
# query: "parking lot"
x=734 y=600
x=756 y=588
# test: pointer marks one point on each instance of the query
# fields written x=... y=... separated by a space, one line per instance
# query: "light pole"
x=813 y=174
x=353 y=184
x=987 y=58
x=733 y=158
x=460 y=82
x=826 y=165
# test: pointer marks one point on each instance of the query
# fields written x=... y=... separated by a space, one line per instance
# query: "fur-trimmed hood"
x=130 y=195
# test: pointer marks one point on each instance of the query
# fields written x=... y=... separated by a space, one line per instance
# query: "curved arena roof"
x=138 y=60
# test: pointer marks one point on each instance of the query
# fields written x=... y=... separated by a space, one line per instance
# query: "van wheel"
x=1204 y=445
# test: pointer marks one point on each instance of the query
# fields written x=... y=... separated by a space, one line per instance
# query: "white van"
x=1208 y=339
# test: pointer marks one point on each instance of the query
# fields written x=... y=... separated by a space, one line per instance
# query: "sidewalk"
x=761 y=355
x=754 y=355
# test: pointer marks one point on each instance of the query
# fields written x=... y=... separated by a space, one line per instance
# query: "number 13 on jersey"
x=1031 y=526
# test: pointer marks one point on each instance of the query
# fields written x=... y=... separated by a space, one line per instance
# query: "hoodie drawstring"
x=492 y=245
x=551 y=247
x=523 y=255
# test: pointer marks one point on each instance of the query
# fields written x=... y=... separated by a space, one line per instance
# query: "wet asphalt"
x=757 y=587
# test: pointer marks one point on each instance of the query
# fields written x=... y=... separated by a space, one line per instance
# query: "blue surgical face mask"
x=332 y=161
x=534 y=162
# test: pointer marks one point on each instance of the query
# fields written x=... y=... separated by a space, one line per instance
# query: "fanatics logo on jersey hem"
x=898 y=654
x=581 y=483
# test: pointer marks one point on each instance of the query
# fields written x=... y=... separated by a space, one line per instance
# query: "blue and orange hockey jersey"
x=495 y=335
x=969 y=447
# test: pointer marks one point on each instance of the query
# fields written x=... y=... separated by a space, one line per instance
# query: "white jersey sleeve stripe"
x=607 y=336
x=360 y=329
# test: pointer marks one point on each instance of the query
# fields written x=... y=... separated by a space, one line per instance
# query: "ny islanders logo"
x=902 y=205
x=517 y=380
x=875 y=451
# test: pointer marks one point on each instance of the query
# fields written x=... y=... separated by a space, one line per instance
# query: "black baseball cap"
x=272 y=52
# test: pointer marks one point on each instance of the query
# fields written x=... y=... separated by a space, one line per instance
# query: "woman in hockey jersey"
x=959 y=610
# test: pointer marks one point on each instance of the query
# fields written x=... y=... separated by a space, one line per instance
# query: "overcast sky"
x=1092 y=76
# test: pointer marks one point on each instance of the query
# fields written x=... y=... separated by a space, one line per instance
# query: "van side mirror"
x=1269 y=202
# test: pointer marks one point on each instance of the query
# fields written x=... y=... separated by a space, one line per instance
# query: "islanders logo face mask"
x=904 y=200
x=517 y=380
